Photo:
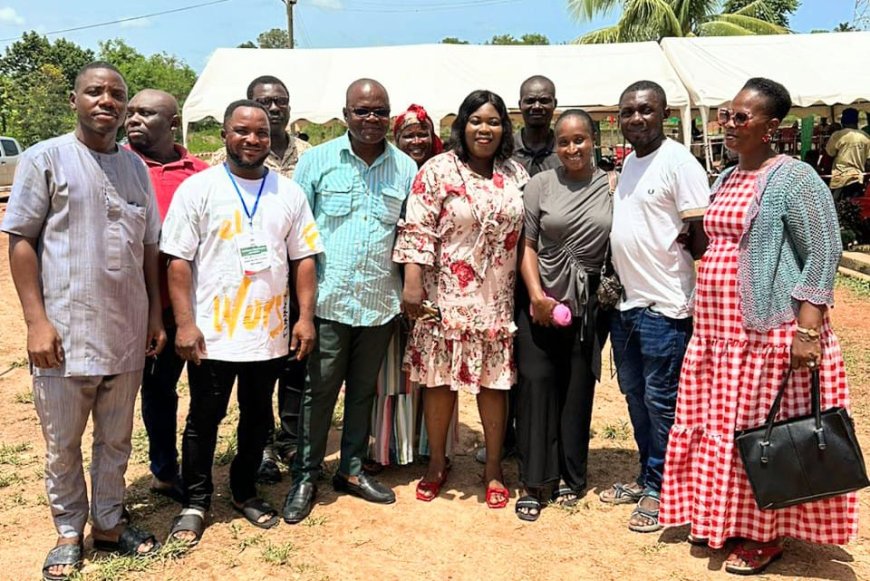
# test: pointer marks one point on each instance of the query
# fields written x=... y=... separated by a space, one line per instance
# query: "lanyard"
x=252 y=213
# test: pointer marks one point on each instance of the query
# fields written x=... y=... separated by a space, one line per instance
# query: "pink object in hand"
x=560 y=315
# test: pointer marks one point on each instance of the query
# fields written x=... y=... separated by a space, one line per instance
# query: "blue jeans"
x=648 y=350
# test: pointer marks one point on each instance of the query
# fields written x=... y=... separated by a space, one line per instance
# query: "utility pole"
x=290 y=4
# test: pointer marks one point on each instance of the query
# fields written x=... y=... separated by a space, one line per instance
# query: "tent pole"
x=708 y=149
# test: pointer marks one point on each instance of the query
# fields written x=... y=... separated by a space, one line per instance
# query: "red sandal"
x=492 y=491
x=427 y=491
x=755 y=560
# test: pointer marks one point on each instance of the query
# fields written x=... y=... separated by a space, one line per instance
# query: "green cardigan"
x=790 y=246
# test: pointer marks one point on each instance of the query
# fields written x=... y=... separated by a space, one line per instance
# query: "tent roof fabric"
x=436 y=76
x=817 y=69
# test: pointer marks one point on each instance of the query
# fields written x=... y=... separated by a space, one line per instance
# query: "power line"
x=121 y=20
x=304 y=30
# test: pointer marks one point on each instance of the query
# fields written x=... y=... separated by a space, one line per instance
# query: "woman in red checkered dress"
x=762 y=295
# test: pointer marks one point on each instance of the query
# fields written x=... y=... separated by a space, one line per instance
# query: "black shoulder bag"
x=802 y=459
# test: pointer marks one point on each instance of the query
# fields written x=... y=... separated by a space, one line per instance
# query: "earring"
x=766 y=138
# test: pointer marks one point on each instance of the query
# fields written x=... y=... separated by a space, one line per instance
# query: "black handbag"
x=802 y=459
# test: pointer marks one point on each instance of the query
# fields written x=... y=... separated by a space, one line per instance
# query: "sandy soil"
x=454 y=537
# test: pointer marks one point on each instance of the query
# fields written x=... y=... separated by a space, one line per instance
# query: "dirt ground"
x=453 y=537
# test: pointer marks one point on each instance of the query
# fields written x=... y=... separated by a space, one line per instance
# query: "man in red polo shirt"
x=152 y=117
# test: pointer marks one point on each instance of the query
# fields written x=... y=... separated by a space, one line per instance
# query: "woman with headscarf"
x=395 y=423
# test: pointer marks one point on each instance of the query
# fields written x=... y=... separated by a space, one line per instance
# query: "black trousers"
x=291 y=381
x=555 y=390
x=211 y=383
x=160 y=408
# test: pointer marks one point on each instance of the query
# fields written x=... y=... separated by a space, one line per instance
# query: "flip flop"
x=427 y=490
x=189 y=520
x=128 y=543
x=253 y=509
x=65 y=556
x=560 y=496
x=529 y=503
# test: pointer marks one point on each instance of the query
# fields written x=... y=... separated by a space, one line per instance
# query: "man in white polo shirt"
x=657 y=232
x=236 y=232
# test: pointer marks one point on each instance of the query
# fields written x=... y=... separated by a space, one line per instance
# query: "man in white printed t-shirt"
x=657 y=232
x=235 y=233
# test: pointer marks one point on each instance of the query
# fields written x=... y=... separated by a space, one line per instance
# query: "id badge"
x=254 y=253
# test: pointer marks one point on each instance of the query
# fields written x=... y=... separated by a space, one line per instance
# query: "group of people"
x=384 y=268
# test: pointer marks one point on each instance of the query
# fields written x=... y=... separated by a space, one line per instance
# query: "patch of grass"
x=618 y=431
x=652 y=549
x=25 y=397
x=41 y=500
x=8 y=479
x=859 y=287
x=204 y=138
x=13 y=454
x=120 y=567
x=338 y=412
x=139 y=455
x=229 y=445
x=251 y=541
x=315 y=521
x=19 y=363
x=277 y=554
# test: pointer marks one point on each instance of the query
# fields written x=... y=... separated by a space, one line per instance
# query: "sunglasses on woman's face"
x=740 y=118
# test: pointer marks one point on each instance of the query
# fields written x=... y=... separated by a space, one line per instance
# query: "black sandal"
x=255 y=508
x=65 y=556
x=529 y=503
x=562 y=496
x=189 y=520
x=128 y=543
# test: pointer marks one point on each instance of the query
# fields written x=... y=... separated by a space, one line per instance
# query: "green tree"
x=453 y=40
x=775 y=11
x=32 y=51
x=528 y=39
x=247 y=44
x=158 y=71
x=644 y=20
x=275 y=38
x=845 y=27
x=41 y=109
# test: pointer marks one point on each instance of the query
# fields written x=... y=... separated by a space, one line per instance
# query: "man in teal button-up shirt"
x=356 y=185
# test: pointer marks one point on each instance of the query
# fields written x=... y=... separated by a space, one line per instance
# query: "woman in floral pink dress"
x=459 y=246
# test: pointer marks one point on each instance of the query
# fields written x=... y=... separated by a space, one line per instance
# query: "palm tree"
x=644 y=20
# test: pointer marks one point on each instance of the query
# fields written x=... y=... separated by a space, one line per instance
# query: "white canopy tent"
x=436 y=76
x=818 y=69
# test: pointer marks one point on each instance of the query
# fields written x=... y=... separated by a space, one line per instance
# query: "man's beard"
x=246 y=164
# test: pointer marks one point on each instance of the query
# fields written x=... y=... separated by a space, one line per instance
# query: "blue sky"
x=194 y=34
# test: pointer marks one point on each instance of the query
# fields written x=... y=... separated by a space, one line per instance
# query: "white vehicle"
x=10 y=149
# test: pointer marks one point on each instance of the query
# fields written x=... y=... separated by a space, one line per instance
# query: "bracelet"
x=812 y=334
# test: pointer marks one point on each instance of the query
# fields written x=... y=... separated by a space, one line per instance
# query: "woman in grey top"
x=568 y=213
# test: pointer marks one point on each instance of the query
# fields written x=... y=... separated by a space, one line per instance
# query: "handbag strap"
x=815 y=396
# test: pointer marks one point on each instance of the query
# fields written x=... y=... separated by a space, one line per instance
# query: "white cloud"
x=10 y=16
x=137 y=23
x=329 y=4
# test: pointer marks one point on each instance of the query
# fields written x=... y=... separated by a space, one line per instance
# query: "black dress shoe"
x=269 y=472
x=368 y=489
x=300 y=501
